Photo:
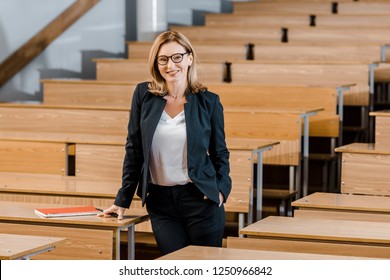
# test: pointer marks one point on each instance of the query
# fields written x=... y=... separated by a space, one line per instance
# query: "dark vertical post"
x=335 y=8
x=228 y=72
x=284 y=35
x=312 y=20
x=250 y=55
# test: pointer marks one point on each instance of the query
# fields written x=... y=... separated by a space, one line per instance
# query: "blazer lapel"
x=189 y=111
x=152 y=110
x=150 y=116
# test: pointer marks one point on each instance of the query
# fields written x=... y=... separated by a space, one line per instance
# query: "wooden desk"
x=22 y=247
x=88 y=237
x=213 y=253
x=344 y=206
x=365 y=169
x=321 y=230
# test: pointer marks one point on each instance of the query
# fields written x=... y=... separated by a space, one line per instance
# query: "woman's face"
x=174 y=72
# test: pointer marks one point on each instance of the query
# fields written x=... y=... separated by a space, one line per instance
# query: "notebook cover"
x=66 y=211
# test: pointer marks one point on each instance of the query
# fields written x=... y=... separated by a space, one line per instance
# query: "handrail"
x=35 y=46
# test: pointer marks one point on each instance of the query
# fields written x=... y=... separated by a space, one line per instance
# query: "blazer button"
x=191 y=169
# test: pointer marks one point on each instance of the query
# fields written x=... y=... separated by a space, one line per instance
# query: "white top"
x=168 y=154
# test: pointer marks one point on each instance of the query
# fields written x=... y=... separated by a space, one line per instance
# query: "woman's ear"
x=191 y=59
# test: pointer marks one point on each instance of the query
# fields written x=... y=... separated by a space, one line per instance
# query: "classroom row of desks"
x=279 y=237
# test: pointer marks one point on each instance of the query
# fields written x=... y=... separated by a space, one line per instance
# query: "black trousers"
x=180 y=216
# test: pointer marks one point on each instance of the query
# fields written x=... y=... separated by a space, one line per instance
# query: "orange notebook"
x=67 y=211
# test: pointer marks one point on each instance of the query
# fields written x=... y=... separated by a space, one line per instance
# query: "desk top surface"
x=320 y=229
x=237 y=143
x=339 y=201
x=14 y=246
x=113 y=140
x=213 y=253
x=57 y=185
x=383 y=113
x=57 y=137
x=20 y=212
x=364 y=148
x=273 y=110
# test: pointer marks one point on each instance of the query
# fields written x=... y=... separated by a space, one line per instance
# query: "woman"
x=175 y=151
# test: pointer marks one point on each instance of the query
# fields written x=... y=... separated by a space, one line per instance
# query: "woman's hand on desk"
x=114 y=210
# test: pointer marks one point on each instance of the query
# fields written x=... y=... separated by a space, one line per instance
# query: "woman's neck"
x=176 y=90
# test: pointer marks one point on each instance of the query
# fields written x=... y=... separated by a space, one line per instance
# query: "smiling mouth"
x=172 y=72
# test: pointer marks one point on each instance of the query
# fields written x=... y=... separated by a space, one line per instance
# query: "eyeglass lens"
x=176 y=58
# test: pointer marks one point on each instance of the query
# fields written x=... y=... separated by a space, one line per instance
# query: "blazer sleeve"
x=218 y=152
x=133 y=160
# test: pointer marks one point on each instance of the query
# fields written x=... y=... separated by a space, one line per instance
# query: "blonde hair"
x=157 y=86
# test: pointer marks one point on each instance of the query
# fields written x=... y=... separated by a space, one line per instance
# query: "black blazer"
x=207 y=154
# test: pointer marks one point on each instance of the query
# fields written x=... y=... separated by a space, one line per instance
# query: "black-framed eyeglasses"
x=176 y=58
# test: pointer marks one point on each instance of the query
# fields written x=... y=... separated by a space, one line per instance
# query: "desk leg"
x=130 y=243
x=259 y=196
x=305 y=157
x=117 y=244
x=240 y=223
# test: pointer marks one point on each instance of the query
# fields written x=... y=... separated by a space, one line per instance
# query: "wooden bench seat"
x=344 y=207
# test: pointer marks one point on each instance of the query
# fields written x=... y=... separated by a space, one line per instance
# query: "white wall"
x=181 y=12
x=102 y=28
